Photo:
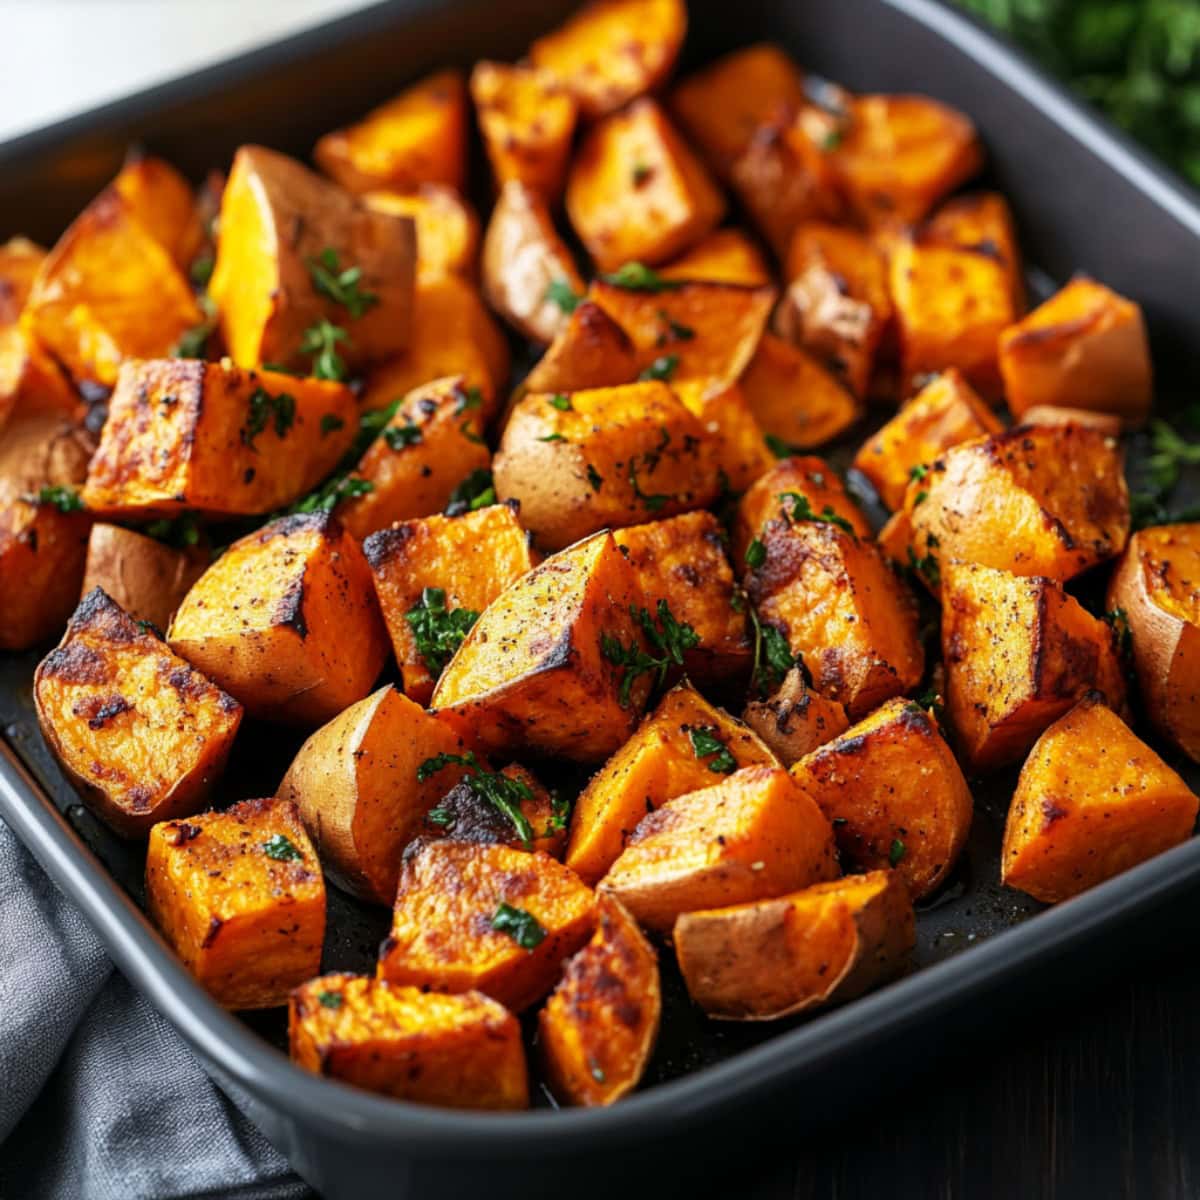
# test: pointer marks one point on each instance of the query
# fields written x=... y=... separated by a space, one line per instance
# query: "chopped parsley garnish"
x=1170 y=453
x=896 y=853
x=521 y=926
x=467 y=400
x=65 y=499
x=560 y=813
x=674 y=332
x=475 y=492
x=652 y=501
x=330 y=423
x=552 y=437
x=330 y=999
x=332 y=492
x=200 y=272
x=281 y=849
x=779 y=447
x=668 y=638
x=561 y=401
x=663 y=367
x=181 y=532
x=773 y=657
x=321 y=340
x=926 y=566
x=560 y=292
x=266 y=409
x=340 y=285
x=594 y=478
x=918 y=472
x=802 y=510
x=1118 y=618
x=437 y=630
x=705 y=743
x=637 y=277
x=756 y=554
x=399 y=436
x=502 y=792
x=193 y=343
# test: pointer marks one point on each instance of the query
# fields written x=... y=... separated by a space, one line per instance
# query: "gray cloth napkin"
x=100 y=1099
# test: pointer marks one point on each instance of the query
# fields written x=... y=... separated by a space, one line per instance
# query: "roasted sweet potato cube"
x=981 y=221
x=161 y=201
x=419 y=136
x=107 y=292
x=796 y=401
x=1155 y=592
x=30 y=380
x=19 y=262
x=590 y=351
x=40 y=449
x=1037 y=500
x=141 y=733
x=446 y=225
x=485 y=918
x=894 y=793
x=239 y=897
x=527 y=118
x=432 y=442
x=637 y=193
x=1092 y=801
x=1085 y=347
x=684 y=745
x=287 y=240
x=185 y=435
x=739 y=444
x=597 y=1031
x=900 y=155
x=286 y=620
x=794 y=720
x=524 y=261
x=534 y=672
x=839 y=604
x=605 y=457
x=1018 y=653
x=683 y=562
x=692 y=330
x=723 y=105
x=837 y=304
x=450 y=1051
x=773 y=958
x=613 y=50
x=726 y=256
x=434 y=577
x=752 y=836
x=945 y=412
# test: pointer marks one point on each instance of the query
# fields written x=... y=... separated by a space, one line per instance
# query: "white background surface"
x=65 y=56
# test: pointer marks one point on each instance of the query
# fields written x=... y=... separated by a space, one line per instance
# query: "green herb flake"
x=266 y=409
x=756 y=555
x=560 y=813
x=594 y=478
x=332 y=492
x=521 y=926
x=779 y=447
x=467 y=400
x=330 y=423
x=477 y=491
x=342 y=286
x=560 y=292
x=65 y=499
x=674 y=331
x=926 y=567
x=896 y=853
x=281 y=849
x=561 y=401
x=668 y=639
x=437 y=630
x=706 y=744
x=773 y=657
x=918 y=472
x=552 y=437
x=181 y=532
x=637 y=277
x=321 y=340
x=801 y=509
x=1118 y=618
x=333 y=1000
x=501 y=791
x=398 y=437
x=200 y=272
x=663 y=367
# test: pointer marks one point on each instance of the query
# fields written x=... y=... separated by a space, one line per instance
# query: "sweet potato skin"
x=461 y=1051
x=443 y=937
x=142 y=734
x=597 y=1030
x=795 y=720
x=239 y=897
x=773 y=958
x=1092 y=801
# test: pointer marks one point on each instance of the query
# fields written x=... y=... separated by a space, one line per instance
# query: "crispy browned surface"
x=248 y=924
x=726 y=256
x=447 y=227
x=795 y=720
x=738 y=441
x=982 y=221
x=141 y=733
x=590 y=351
x=452 y=1051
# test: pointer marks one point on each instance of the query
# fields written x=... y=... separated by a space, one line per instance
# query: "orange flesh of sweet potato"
x=590 y=351
x=981 y=221
x=472 y=558
x=446 y=226
x=772 y=958
x=450 y=1051
x=532 y=673
x=1052 y=414
x=658 y=763
x=598 y=1028
x=20 y=260
x=30 y=380
x=739 y=444
x=1084 y=347
x=161 y=201
x=752 y=836
x=286 y=620
x=1092 y=801
x=895 y=793
x=239 y=896
x=637 y=193
x=726 y=256
x=1018 y=653
x=355 y=782
x=795 y=720
x=141 y=733
x=211 y=437
x=444 y=935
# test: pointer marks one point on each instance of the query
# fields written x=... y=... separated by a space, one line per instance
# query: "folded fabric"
x=100 y=1099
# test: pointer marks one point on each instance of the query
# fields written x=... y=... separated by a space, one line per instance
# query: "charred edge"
x=385 y=544
x=1051 y=812
x=321 y=522
x=140 y=798
x=99 y=710
x=214 y=927
x=75 y=663
x=290 y=609
x=560 y=654
x=179 y=833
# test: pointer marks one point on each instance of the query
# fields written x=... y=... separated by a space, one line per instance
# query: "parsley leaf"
x=896 y=853
x=802 y=510
x=637 y=277
x=501 y=791
x=560 y=292
x=399 y=436
x=705 y=743
x=330 y=999
x=340 y=286
x=552 y=437
x=756 y=554
x=281 y=849
x=330 y=423
x=773 y=657
x=595 y=478
x=668 y=639
x=320 y=340
x=475 y=492
x=437 y=630
x=663 y=368
x=1118 y=618
x=332 y=492
x=65 y=499
x=561 y=401
x=180 y=533
x=521 y=926
x=265 y=408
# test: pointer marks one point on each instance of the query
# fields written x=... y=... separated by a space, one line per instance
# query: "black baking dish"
x=1084 y=199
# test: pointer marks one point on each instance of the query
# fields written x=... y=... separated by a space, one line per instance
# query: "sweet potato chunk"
x=30 y=380
x=356 y=783
x=752 y=836
x=684 y=745
x=1093 y=800
x=637 y=193
x=527 y=118
x=739 y=444
x=1052 y=414
x=287 y=240
x=795 y=400
x=142 y=735
x=523 y=256
x=20 y=260
x=590 y=351
x=1018 y=653
x=286 y=620
x=433 y=441
x=613 y=50
x=1085 y=347
x=1038 y=500
x=161 y=200
x=484 y=918
x=435 y=576
x=239 y=897
x=446 y=226
x=894 y=793
x=597 y=1030
x=1155 y=592
x=603 y=457
x=533 y=671
x=451 y=1051
x=981 y=221
x=210 y=437
x=773 y=958
x=418 y=137
x=795 y=720
x=726 y=256
x=945 y=412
